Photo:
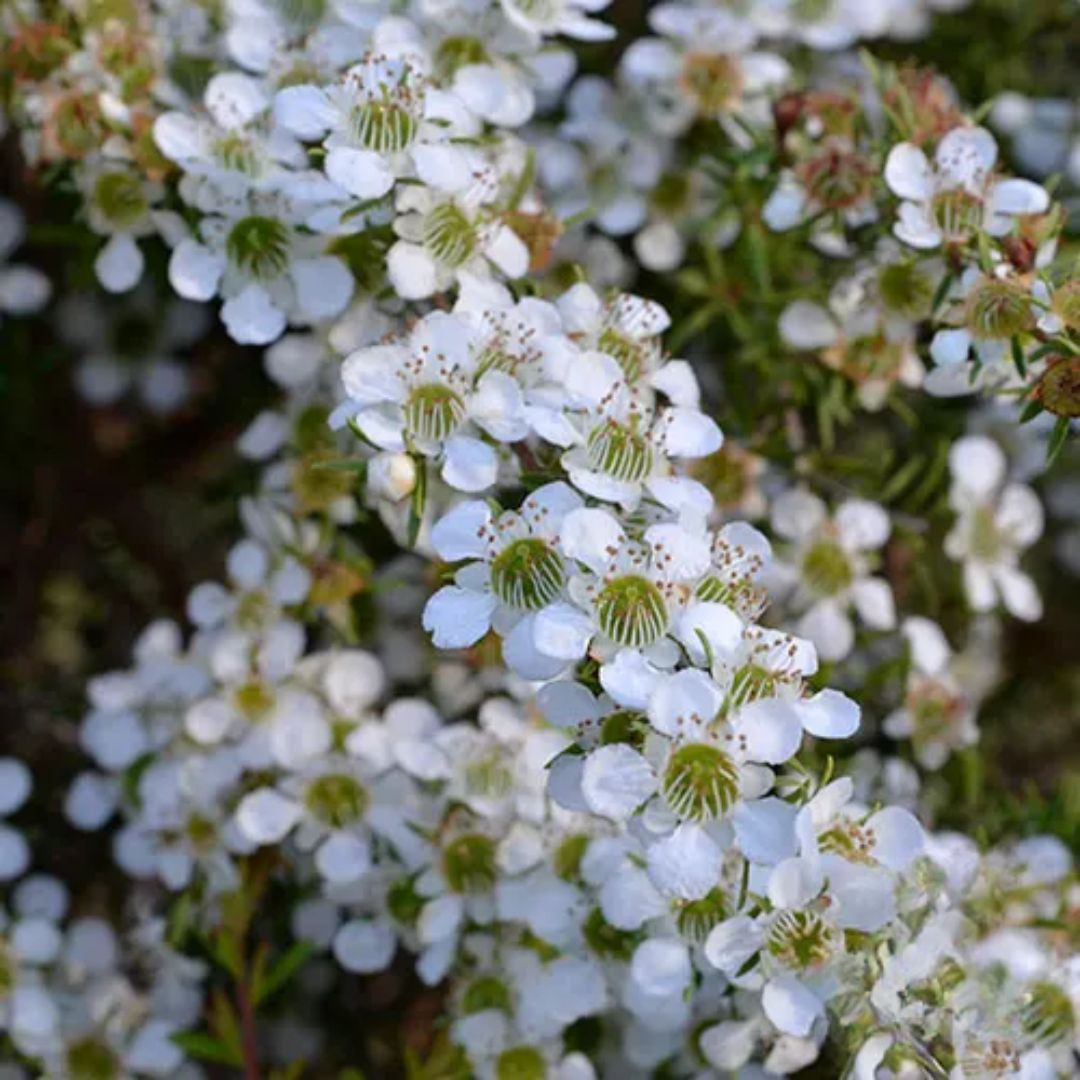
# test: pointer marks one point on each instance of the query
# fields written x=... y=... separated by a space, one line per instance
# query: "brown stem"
x=248 y=1039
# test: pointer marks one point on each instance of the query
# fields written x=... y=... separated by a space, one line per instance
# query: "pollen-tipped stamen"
x=631 y=611
x=620 y=451
x=433 y=412
x=527 y=574
x=700 y=782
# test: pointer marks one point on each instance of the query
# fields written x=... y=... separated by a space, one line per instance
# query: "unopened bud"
x=391 y=476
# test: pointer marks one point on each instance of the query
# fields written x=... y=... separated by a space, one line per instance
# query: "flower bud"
x=391 y=476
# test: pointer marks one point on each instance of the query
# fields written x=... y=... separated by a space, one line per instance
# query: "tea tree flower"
x=830 y=565
x=955 y=197
x=995 y=522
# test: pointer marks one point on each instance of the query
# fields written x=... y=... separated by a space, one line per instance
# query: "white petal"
x=950 y=346
x=930 y=650
x=508 y=252
x=790 y=1005
x=770 y=729
x=863 y=524
x=908 y=173
x=977 y=463
x=589 y=536
x=827 y=625
x=873 y=600
x=119 y=264
x=266 y=817
x=412 y=271
x=343 y=858
x=1019 y=594
x=806 y=325
x=629 y=679
x=470 y=465
x=721 y=628
x=252 y=317
x=562 y=631
x=324 y=286
x=795 y=882
x=1019 y=197
x=661 y=966
x=457 y=618
x=684 y=703
x=364 y=946
x=456 y=535
x=567 y=704
x=731 y=943
x=16 y=783
x=14 y=853
x=234 y=99
x=362 y=173
x=628 y=899
x=685 y=864
x=195 y=270
x=829 y=714
x=305 y=111
x=616 y=781
x=691 y=434
x=765 y=829
x=898 y=837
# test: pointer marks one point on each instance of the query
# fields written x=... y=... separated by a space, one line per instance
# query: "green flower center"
x=433 y=412
x=527 y=574
x=458 y=52
x=301 y=14
x=634 y=357
x=259 y=246
x=449 y=235
x=998 y=309
x=237 y=153
x=469 y=863
x=957 y=214
x=336 y=800
x=1047 y=1014
x=904 y=289
x=568 y=855
x=1066 y=304
x=803 y=940
x=253 y=699
x=521 y=1063
x=485 y=993
x=89 y=1059
x=697 y=917
x=700 y=782
x=811 y=10
x=488 y=775
x=985 y=537
x=201 y=833
x=826 y=569
x=713 y=80
x=403 y=901
x=387 y=127
x=620 y=451
x=631 y=611
x=606 y=940
x=851 y=841
x=837 y=179
x=119 y=197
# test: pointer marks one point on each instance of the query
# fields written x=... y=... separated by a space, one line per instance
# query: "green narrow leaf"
x=941 y=292
x=198 y=1044
x=419 y=500
x=281 y=972
x=354 y=465
x=1058 y=437
x=1018 y=357
x=1030 y=411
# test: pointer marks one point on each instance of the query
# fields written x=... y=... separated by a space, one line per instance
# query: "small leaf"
x=1031 y=410
x=419 y=499
x=1058 y=438
x=354 y=465
x=198 y=1044
x=281 y=972
x=1018 y=357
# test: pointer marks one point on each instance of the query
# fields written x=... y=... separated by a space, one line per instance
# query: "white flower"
x=956 y=196
x=518 y=575
x=552 y=17
x=830 y=565
x=995 y=522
